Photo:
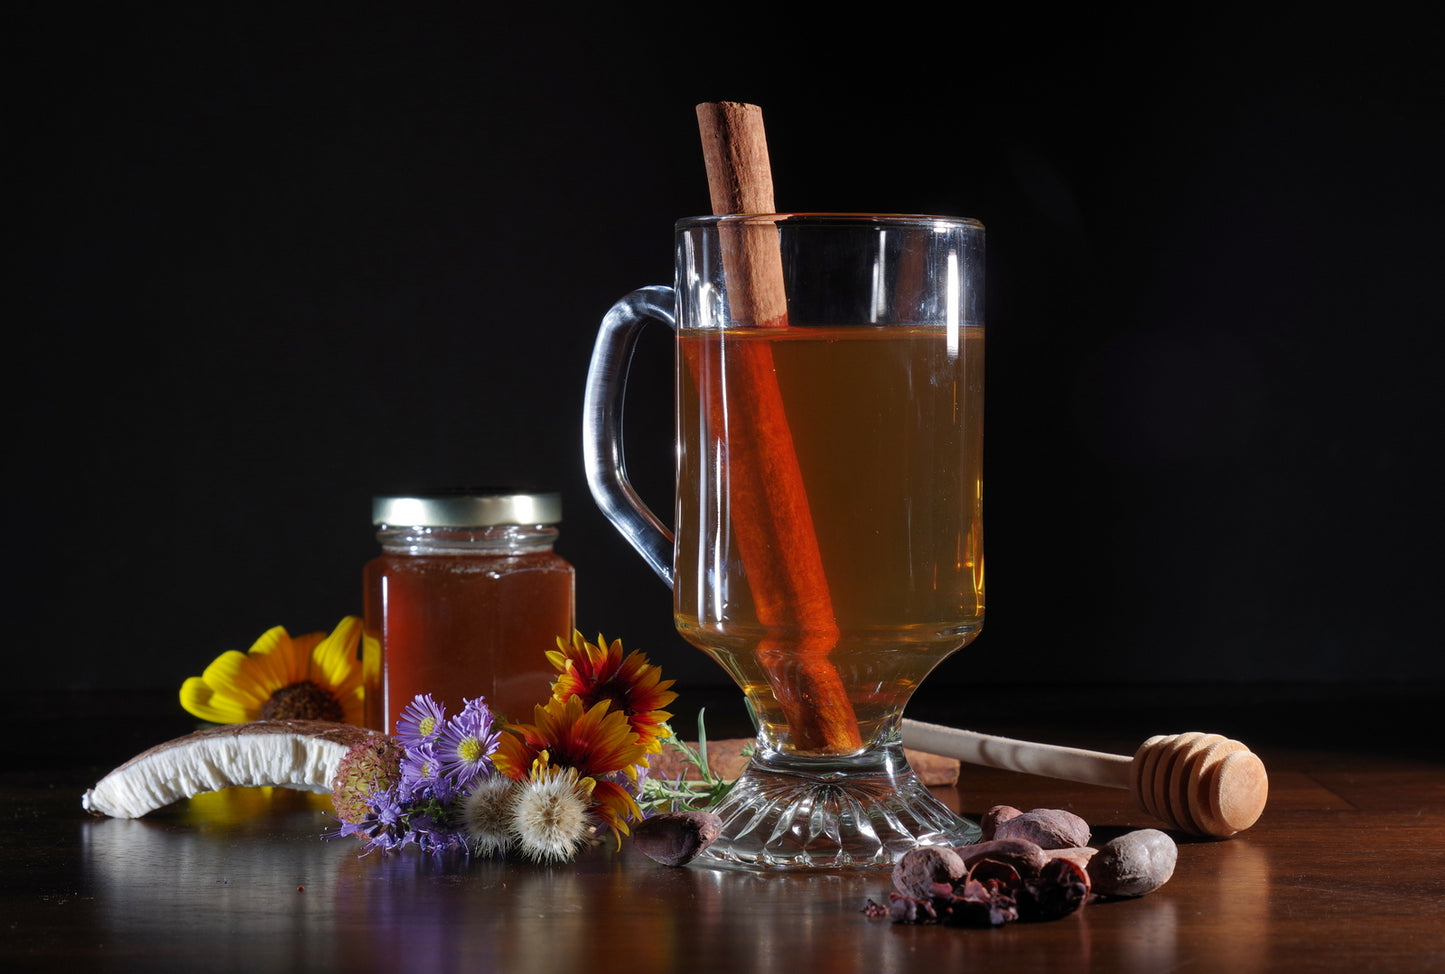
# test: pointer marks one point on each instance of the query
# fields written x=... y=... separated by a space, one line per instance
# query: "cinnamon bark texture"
x=770 y=515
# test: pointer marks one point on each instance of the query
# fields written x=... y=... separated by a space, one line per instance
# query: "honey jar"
x=465 y=600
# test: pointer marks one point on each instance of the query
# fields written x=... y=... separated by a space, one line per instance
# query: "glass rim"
x=915 y=220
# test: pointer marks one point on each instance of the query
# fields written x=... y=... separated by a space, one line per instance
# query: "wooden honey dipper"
x=1204 y=784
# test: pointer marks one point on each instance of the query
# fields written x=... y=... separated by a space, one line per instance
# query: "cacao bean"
x=919 y=869
x=991 y=819
x=1048 y=828
x=1023 y=855
x=1079 y=857
x=676 y=838
x=1135 y=863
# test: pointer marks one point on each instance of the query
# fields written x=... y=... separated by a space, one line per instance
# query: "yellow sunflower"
x=598 y=672
x=311 y=677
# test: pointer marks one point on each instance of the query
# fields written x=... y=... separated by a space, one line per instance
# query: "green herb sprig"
x=683 y=793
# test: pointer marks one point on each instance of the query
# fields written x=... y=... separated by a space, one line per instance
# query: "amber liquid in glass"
x=887 y=425
x=458 y=626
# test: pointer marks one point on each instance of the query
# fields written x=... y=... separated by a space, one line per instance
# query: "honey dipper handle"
x=1068 y=763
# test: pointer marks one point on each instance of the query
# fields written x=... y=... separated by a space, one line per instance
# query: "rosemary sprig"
x=661 y=795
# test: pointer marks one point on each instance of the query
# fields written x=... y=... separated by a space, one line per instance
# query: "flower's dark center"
x=616 y=693
x=302 y=701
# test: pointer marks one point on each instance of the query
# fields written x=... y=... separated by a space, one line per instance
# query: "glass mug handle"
x=602 y=424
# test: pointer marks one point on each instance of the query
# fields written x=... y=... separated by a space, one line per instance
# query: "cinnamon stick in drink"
x=770 y=513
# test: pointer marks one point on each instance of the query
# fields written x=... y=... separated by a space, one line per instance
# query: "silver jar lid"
x=467 y=508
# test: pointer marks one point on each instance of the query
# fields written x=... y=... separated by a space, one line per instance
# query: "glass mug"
x=827 y=548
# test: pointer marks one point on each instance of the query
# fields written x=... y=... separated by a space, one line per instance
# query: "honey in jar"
x=464 y=601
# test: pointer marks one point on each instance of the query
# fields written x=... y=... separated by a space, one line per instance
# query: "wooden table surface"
x=1345 y=871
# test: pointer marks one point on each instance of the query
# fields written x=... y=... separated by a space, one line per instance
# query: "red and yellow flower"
x=597 y=742
x=598 y=672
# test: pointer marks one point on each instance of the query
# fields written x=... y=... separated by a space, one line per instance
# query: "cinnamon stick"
x=771 y=518
x=740 y=180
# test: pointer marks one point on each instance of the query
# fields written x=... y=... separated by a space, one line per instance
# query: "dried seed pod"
x=1001 y=874
x=1048 y=828
x=372 y=766
x=676 y=838
x=993 y=891
x=920 y=869
x=1062 y=887
x=1135 y=863
x=979 y=904
x=908 y=909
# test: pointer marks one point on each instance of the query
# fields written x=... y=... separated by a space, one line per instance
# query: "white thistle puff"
x=550 y=815
x=487 y=815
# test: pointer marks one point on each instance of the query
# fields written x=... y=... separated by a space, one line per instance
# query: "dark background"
x=273 y=261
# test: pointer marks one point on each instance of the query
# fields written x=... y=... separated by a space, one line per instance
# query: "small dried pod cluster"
x=1011 y=880
x=1133 y=864
x=1035 y=865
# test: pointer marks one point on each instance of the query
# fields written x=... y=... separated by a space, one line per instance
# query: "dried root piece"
x=300 y=754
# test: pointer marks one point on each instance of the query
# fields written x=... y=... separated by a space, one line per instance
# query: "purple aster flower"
x=422 y=777
x=421 y=722
x=387 y=809
x=467 y=742
x=383 y=827
x=441 y=759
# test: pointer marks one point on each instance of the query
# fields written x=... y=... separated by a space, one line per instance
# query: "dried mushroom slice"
x=300 y=754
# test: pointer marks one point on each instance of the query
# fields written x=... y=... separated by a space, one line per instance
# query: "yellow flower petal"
x=279 y=660
x=334 y=664
x=266 y=659
x=237 y=686
x=303 y=646
x=198 y=698
x=238 y=673
x=334 y=658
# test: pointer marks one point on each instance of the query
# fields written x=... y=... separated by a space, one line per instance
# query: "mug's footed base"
x=850 y=814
